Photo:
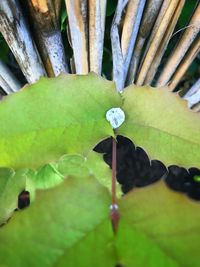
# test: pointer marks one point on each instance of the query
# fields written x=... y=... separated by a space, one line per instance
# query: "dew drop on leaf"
x=115 y=116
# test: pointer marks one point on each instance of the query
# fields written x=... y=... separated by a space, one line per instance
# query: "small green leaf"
x=73 y=165
x=47 y=177
x=101 y=171
x=160 y=122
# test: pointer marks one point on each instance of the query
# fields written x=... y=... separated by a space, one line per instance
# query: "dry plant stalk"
x=7 y=80
x=150 y=14
x=162 y=48
x=14 y=29
x=78 y=24
x=118 y=61
x=180 y=50
x=48 y=36
x=193 y=95
x=185 y=63
x=57 y=5
x=122 y=49
x=97 y=14
x=155 y=41
x=130 y=30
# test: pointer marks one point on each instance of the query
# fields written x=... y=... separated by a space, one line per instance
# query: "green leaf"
x=95 y=249
x=11 y=185
x=163 y=227
x=47 y=177
x=93 y=164
x=101 y=171
x=53 y=117
x=73 y=165
x=60 y=219
x=70 y=223
x=160 y=122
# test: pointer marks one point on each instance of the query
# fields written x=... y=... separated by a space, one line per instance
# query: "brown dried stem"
x=78 y=24
x=156 y=39
x=15 y=32
x=150 y=14
x=7 y=80
x=97 y=13
x=48 y=36
x=185 y=63
x=166 y=38
x=182 y=47
x=57 y=5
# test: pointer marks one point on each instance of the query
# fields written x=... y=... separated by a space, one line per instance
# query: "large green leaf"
x=54 y=117
x=69 y=224
x=59 y=219
x=165 y=228
x=160 y=122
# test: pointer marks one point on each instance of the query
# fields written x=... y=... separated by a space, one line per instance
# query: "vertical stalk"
x=97 y=13
x=150 y=14
x=114 y=170
x=185 y=63
x=16 y=33
x=114 y=213
x=180 y=50
x=155 y=42
x=77 y=11
x=7 y=80
x=48 y=36
x=164 y=43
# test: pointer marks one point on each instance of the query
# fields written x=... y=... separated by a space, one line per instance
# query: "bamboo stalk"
x=97 y=13
x=48 y=36
x=130 y=30
x=182 y=47
x=162 y=12
x=16 y=34
x=185 y=63
x=122 y=50
x=150 y=14
x=156 y=40
x=57 y=5
x=161 y=50
x=7 y=80
x=78 y=23
x=118 y=61
x=193 y=94
x=196 y=107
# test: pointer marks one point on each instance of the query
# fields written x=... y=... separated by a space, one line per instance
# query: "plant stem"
x=114 y=214
x=114 y=167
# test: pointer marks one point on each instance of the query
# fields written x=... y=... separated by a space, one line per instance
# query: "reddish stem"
x=115 y=217
x=114 y=168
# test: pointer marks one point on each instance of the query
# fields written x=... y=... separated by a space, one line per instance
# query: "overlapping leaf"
x=165 y=228
x=157 y=228
x=54 y=117
x=160 y=122
x=67 y=115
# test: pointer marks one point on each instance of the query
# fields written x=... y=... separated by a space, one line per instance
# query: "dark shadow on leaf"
x=135 y=169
